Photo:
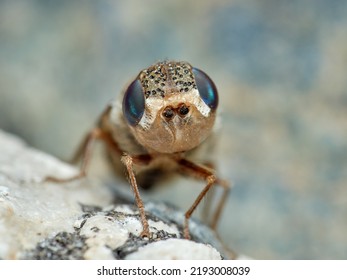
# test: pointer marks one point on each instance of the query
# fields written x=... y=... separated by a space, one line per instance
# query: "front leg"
x=129 y=161
x=204 y=173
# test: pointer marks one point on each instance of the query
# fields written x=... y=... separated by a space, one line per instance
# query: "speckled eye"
x=134 y=103
x=206 y=88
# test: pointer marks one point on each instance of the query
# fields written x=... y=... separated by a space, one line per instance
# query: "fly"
x=167 y=113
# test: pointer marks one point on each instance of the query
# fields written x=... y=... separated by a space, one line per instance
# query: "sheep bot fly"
x=166 y=116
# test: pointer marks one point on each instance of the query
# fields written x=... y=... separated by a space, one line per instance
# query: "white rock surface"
x=58 y=221
x=175 y=249
x=31 y=210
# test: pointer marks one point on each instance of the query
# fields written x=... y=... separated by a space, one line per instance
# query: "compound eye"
x=206 y=87
x=134 y=103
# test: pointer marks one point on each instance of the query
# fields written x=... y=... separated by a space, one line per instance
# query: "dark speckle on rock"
x=95 y=229
x=63 y=246
x=132 y=245
x=90 y=209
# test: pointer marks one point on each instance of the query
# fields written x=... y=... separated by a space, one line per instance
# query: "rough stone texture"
x=174 y=249
x=280 y=69
x=78 y=220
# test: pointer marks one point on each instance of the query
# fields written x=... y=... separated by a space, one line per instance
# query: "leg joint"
x=211 y=179
x=127 y=160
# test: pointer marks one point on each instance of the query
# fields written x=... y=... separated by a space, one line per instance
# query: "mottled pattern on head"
x=165 y=78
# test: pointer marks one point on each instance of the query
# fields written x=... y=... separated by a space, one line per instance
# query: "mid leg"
x=217 y=214
x=85 y=151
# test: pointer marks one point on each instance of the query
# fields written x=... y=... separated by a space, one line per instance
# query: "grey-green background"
x=280 y=67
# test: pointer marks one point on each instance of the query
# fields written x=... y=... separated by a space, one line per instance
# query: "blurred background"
x=280 y=67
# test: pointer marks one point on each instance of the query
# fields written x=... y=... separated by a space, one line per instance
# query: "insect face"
x=170 y=107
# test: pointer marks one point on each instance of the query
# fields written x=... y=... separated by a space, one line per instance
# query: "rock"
x=80 y=219
x=175 y=249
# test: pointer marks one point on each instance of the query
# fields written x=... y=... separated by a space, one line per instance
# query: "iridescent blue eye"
x=206 y=88
x=134 y=103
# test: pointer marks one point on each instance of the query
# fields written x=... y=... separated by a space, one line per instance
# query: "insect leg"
x=204 y=173
x=208 y=199
x=129 y=161
x=216 y=216
x=85 y=151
